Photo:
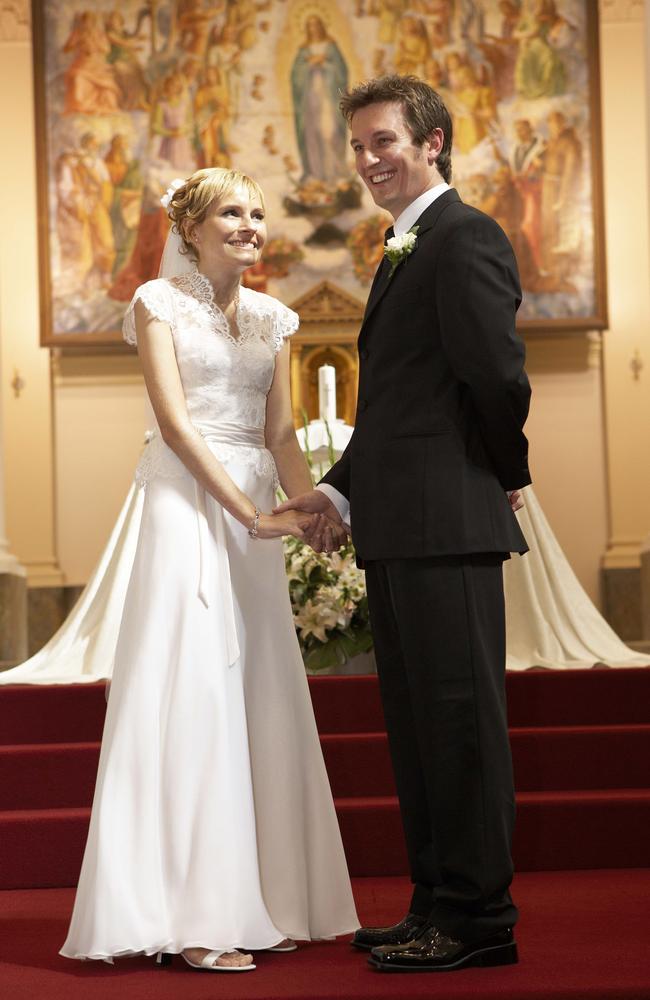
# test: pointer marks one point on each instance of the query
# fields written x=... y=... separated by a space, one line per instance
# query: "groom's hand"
x=327 y=532
x=326 y=535
x=314 y=502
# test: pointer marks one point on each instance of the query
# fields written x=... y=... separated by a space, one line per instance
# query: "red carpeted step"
x=42 y=847
x=52 y=713
x=597 y=829
x=371 y=829
x=70 y=713
x=358 y=764
x=606 y=828
x=581 y=757
x=602 y=696
x=593 y=829
x=347 y=704
x=48 y=775
x=40 y=776
x=581 y=746
x=545 y=759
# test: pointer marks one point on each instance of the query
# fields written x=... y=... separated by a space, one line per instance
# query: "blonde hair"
x=191 y=201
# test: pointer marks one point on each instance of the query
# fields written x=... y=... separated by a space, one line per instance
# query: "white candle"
x=327 y=393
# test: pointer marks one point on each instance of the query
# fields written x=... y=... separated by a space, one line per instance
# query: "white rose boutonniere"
x=398 y=248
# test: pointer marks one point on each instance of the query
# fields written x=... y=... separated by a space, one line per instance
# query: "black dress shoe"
x=406 y=930
x=434 y=951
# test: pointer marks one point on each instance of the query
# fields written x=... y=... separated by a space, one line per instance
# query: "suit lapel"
x=379 y=286
x=426 y=221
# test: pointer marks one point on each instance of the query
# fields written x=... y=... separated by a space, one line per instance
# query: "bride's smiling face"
x=232 y=234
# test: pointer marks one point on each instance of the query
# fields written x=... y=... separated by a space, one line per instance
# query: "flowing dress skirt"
x=213 y=823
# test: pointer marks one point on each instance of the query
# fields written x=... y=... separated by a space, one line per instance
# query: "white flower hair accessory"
x=398 y=248
x=170 y=192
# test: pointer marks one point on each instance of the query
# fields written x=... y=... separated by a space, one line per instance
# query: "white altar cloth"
x=551 y=622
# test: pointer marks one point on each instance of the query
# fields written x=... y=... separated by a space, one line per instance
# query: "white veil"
x=173 y=262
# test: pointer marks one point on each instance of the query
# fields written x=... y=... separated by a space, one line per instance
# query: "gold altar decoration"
x=329 y=327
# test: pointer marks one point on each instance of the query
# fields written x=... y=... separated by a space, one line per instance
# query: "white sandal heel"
x=282 y=948
x=207 y=962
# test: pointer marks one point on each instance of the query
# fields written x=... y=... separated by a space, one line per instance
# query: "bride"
x=213 y=832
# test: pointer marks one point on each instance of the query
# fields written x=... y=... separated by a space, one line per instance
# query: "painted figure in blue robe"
x=318 y=75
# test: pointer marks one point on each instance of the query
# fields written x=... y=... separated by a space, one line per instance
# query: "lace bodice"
x=225 y=379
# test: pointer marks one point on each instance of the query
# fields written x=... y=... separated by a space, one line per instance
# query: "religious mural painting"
x=131 y=96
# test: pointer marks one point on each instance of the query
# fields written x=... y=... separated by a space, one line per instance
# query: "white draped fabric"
x=551 y=622
x=83 y=649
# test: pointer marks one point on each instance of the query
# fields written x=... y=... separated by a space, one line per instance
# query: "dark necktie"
x=384 y=267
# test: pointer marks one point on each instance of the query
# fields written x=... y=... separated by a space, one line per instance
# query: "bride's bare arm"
x=163 y=382
x=281 y=437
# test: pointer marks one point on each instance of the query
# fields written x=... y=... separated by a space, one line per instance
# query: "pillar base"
x=621 y=591
x=13 y=620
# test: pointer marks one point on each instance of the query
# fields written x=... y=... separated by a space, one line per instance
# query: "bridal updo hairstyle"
x=424 y=110
x=190 y=202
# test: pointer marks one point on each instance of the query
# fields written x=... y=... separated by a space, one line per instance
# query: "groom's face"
x=392 y=167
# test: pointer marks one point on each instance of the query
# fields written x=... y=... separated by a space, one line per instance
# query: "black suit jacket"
x=443 y=397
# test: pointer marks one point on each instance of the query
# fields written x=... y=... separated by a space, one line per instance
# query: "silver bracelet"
x=256 y=523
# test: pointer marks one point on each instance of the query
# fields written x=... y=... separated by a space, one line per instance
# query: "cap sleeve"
x=156 y=298
x=285 y=322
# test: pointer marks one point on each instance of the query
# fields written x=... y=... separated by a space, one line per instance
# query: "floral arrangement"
x=330 y=607
x=328 y=597
x=317 y=197
x=280 y=254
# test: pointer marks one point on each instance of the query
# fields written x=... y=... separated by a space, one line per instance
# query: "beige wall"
x=27 y=418
x=97 y=401
x=627 y=401
x=567 y=448
x=99 y=409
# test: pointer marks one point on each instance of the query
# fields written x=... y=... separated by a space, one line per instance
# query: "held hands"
x=515 y=500
x=293 y=522
x=326 y=531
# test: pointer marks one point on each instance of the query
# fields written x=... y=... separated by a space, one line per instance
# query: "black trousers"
x=439 y=630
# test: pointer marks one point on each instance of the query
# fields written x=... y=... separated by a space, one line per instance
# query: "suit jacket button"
x=363 y=354
x=363 y=404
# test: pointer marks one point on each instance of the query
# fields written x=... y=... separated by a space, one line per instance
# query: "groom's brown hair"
x=424 y=110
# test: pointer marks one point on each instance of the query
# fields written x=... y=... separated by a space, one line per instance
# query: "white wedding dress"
x=213 y=823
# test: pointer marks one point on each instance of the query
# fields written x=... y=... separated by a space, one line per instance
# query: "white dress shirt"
x=402 y=224
x=412 y=212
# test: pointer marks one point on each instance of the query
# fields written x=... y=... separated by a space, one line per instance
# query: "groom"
x=429 y=483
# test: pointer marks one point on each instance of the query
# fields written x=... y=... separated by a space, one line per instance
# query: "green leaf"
x=325 y=655
x=359 y=642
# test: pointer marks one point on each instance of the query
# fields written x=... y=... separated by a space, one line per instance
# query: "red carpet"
x=581 y=746
x=582 y=936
